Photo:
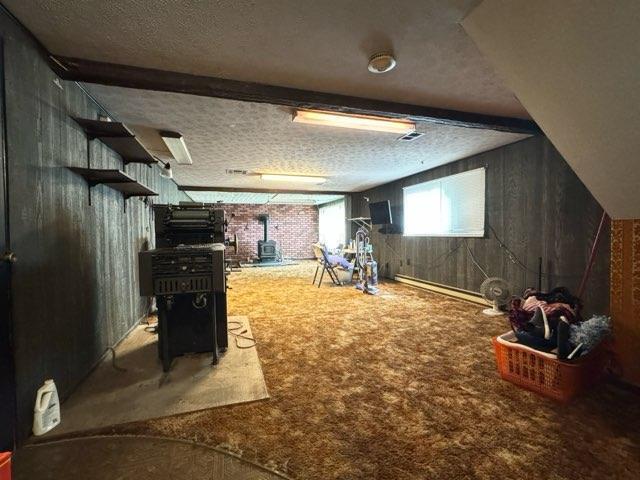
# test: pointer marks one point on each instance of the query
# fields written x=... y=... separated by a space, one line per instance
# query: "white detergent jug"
x=46 y=413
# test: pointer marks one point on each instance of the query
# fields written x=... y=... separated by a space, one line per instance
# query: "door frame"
x=8 y=419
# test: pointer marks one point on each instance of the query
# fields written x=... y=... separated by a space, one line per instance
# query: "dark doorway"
x=7 y=375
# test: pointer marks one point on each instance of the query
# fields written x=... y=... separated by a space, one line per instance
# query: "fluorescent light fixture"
x=292 y=178
x=177 y=147
x=359 y=122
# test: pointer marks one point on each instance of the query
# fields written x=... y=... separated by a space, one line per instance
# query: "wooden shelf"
x=118 y=138
x=115 y=179
x=102 y=129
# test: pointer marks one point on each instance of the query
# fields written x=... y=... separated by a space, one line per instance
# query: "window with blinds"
x=332 y=224
x=451 y=206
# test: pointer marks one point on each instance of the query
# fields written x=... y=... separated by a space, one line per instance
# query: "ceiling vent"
x=232 y=171
x=410 y=137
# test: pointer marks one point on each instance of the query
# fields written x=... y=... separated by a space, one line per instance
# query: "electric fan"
x=496 y=291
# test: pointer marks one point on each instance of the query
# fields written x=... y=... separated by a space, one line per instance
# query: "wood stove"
x=267 y=249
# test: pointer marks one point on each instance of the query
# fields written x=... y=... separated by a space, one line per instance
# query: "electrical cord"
x=509 y=253
x=148 y=327
x=514 y=259
x=240 y=335
x=433 y=264
x=232 y=330
x=147 y=312
x=473 y=259
x=113 y=360
x=446 y=256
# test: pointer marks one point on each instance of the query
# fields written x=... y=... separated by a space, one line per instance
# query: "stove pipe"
x=264 y=218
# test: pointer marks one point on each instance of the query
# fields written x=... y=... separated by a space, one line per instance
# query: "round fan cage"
x=496 y=291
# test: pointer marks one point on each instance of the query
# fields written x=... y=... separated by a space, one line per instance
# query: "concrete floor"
x=138 y=389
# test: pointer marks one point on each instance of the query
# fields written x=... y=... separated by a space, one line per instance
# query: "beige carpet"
x=138 y=389
x=399 y=386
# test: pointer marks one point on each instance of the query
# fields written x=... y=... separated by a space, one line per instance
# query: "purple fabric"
x=339 y=260
x=518 y=317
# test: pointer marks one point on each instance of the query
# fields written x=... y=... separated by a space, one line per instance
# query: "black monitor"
x=380 y=213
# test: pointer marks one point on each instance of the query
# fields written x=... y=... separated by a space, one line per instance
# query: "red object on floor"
x=559 y=380
x=5 y=465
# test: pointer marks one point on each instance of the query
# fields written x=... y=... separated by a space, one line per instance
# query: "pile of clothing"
x=551 y=321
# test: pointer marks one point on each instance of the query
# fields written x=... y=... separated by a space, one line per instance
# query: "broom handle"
x=592 y=255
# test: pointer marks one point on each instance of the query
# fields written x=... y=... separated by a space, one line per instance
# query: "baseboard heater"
x=443 y=289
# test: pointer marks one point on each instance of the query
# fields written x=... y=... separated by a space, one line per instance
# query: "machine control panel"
x=190 y=269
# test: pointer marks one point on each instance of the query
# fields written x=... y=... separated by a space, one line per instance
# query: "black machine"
x=190 y=224
x=267 y=249
x=187 y=275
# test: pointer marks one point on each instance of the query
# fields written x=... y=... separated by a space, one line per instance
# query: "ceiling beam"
x=75 y=69
x=194 y=188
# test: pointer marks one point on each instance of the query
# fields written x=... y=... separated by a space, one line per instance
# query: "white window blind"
x=332 y=224
x=451 y=206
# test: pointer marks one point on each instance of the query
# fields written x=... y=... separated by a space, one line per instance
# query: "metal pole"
x=539 y=274
x=592 y=256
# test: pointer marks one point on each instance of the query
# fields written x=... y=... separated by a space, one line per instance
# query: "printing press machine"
x=186 y=272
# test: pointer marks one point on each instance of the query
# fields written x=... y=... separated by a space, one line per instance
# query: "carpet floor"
x=131 y=458
x=398 y=386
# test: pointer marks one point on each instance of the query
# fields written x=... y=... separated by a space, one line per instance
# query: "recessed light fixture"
x=292 y=178
x=381 y=63
x=359 y=122
x=177 y=147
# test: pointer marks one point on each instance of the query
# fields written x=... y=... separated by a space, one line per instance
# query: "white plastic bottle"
x=46 y=413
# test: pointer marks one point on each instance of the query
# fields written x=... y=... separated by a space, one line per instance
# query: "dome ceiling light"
x=381 y=63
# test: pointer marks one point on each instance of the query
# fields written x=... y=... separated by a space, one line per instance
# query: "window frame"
x=483 y=234
x=333 y=203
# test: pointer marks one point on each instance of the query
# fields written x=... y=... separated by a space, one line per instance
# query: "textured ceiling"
x=309 y=44
x=261 y=138
x=576 y=67
x=262 y=198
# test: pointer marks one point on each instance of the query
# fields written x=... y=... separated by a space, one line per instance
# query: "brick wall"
x=294 y=227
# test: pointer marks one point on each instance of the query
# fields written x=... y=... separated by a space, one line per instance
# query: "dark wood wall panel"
x=537 y=206
x=75 y=286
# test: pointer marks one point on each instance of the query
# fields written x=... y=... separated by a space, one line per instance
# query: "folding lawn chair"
x=326 y=265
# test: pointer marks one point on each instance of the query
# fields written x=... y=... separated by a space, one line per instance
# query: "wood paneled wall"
x=625 y=296
x=538 y=208
x=75 y=287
